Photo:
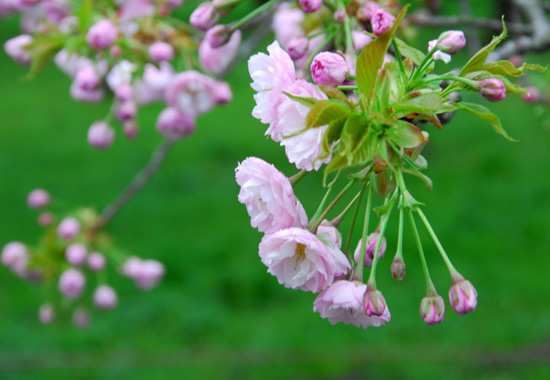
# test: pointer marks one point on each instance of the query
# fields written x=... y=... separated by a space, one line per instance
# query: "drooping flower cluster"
x=72 y=258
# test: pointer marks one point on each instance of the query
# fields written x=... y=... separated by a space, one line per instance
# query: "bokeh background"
x=218 y=314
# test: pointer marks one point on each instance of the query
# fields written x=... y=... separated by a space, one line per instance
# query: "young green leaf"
x=303 y=100
x=508 y=69
x=485 y=114
x=332 y=133
x=476 y=62
x=324 y=111
x=405 y=135
x=428 y=102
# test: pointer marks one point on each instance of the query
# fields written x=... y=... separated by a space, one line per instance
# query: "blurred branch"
x=471 y=31
x=426 y=19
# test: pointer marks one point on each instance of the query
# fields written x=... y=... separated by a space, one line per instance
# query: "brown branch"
x=474 y=43
x=426 y=19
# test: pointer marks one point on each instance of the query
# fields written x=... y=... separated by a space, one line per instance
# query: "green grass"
x=218 y=314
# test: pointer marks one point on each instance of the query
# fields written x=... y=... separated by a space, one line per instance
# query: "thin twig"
x=424 y=19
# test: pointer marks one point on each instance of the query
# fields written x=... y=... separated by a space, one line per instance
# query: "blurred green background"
x=218 y=314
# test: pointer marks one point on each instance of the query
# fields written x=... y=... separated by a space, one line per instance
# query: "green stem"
x=296 y=178
x=399 y=251
x=353 y=220
x=466 y=81
x=398 y=56
x=336 y=221
x=430 y=288
x=359 y=269
x=454 y=273
x=347 y=28
x=325 y=198
x=252 y=14
x=344 y=88
x=320 y=219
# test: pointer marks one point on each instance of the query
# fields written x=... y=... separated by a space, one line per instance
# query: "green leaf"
x=382 y=94
x=334 y=93
x=303 y=100
x=84 y=14
x=407 y=51
x=371 y=58
x=508 y=69
x=405 y=135
x=485 y=114
x=477 y=61
x=43 y=48
x=428 y=102
x=324 y=111
x=332 y=134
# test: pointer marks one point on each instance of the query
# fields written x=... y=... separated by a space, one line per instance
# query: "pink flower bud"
x=102 y=34
x=367 y=10
x=222 y=93
x=96 y=261
x=175 y=124
x=105 y=298
x=205 y=16
x=71 y=283
x=381 y=21
x=329 y=69
x=311 y=5
x=76 y=254
x=492 y=89
x=87 y=78
x=15 y=48
x=100 y=135
x=463 y=297
x=532 y=96
x=451 y=41
x=374 y=303
x=38 y=198
x=68 y=228
x=370 y=249
x=217 y=35
x=161 y=51
x=124 y=92
x=191 y=93
x=516 y=60
x=398 y=269
x=46 y=314
x=131 y=267
x=115 y=51
x=88 y=96
x=216 y=60
x=360 y=40
x=130 y=129
x=16 y=257
x=45 y=219
x=297 y=47
x=145 y=273
x=126 y=111
x=432 y=309
x=340 y=16
x=81 y=318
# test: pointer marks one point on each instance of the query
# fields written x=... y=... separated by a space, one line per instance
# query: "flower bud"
x=115 y=51
x=492 y=89
x=381 y=21
x=71 y=283
x=204 y=16
x=329 y=69
x=161 y=51
x=146 y=274
x=126 y=111
x=340 y=16
x=100 y=135
x=222 y=93
x=398 y=268
x=360 y=40
x=68 y=228
x=370 y=249
x=311 y=5
x=130 y=129
x=76 y=254
x=81 y=318
x=46 y=314
x=38 y=198
x=516 y=60
x=124 y=92
x=217 y=60
x=532 y=96
x=15 y=48
x=217 y=35
x=15 y=256
x=432 y=309
x=451 y=41
x=297 y=47
x=105 y=298
x=96 y=261
x=87 y=78
x=367 y=10
x=102 y=34
x=374 y=303
x=175 y=124
x=463 y=297
x=45 y=219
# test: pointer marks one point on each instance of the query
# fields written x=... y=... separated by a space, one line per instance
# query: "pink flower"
x=360 y=40
x=105 y=298
x=300 y=260
x=100 y=135
x=329 y=235
x=306 y=150
x=161 y=51
x=381 y=21
x=370 y=249
x=130 y=129
x=532 y=96
x=102 y=34
x=124 y=92
x=492 y=89
x=216 y=60
x=152 y=85
x=88 y=96
x=175 y=124
x=204 y=16
x=38 y=198
x=46 y=314
x=136 y=9
x=87 y=78
x=71 y=283
x=268 y=196
x=310 y=6
x=367 y=10
x=81 y=318
x=145 y=273
x=96 y=261
x=463 y=297
x=329 y=69
x=343 y=302
x=432 y=309
x=16 y=49
x=45 y=219
x=270 y=75
x=126 y=111
x=191 y=93
x=223 y=93
x=297 y=47
x=16 y=257
x=76 y=254
x=121 y=74
x=287 y=23
x=68 y=228
x=451 y=41
x=217 y=35
x=438 y=55
x=375 y=303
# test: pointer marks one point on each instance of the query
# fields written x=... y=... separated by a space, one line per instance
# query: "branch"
x=471 y=31
x=135 y=186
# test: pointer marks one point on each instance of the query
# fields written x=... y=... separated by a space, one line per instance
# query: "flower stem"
x=319 y=220
x=347 y=28
x=359 y=269
x=336 y=221
x=399 y=251
x=296 y=178
x=325 y=198
x=353 y=220
x=398 y=56
x=252 y=14
x=466 y=81
x=430 y=288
